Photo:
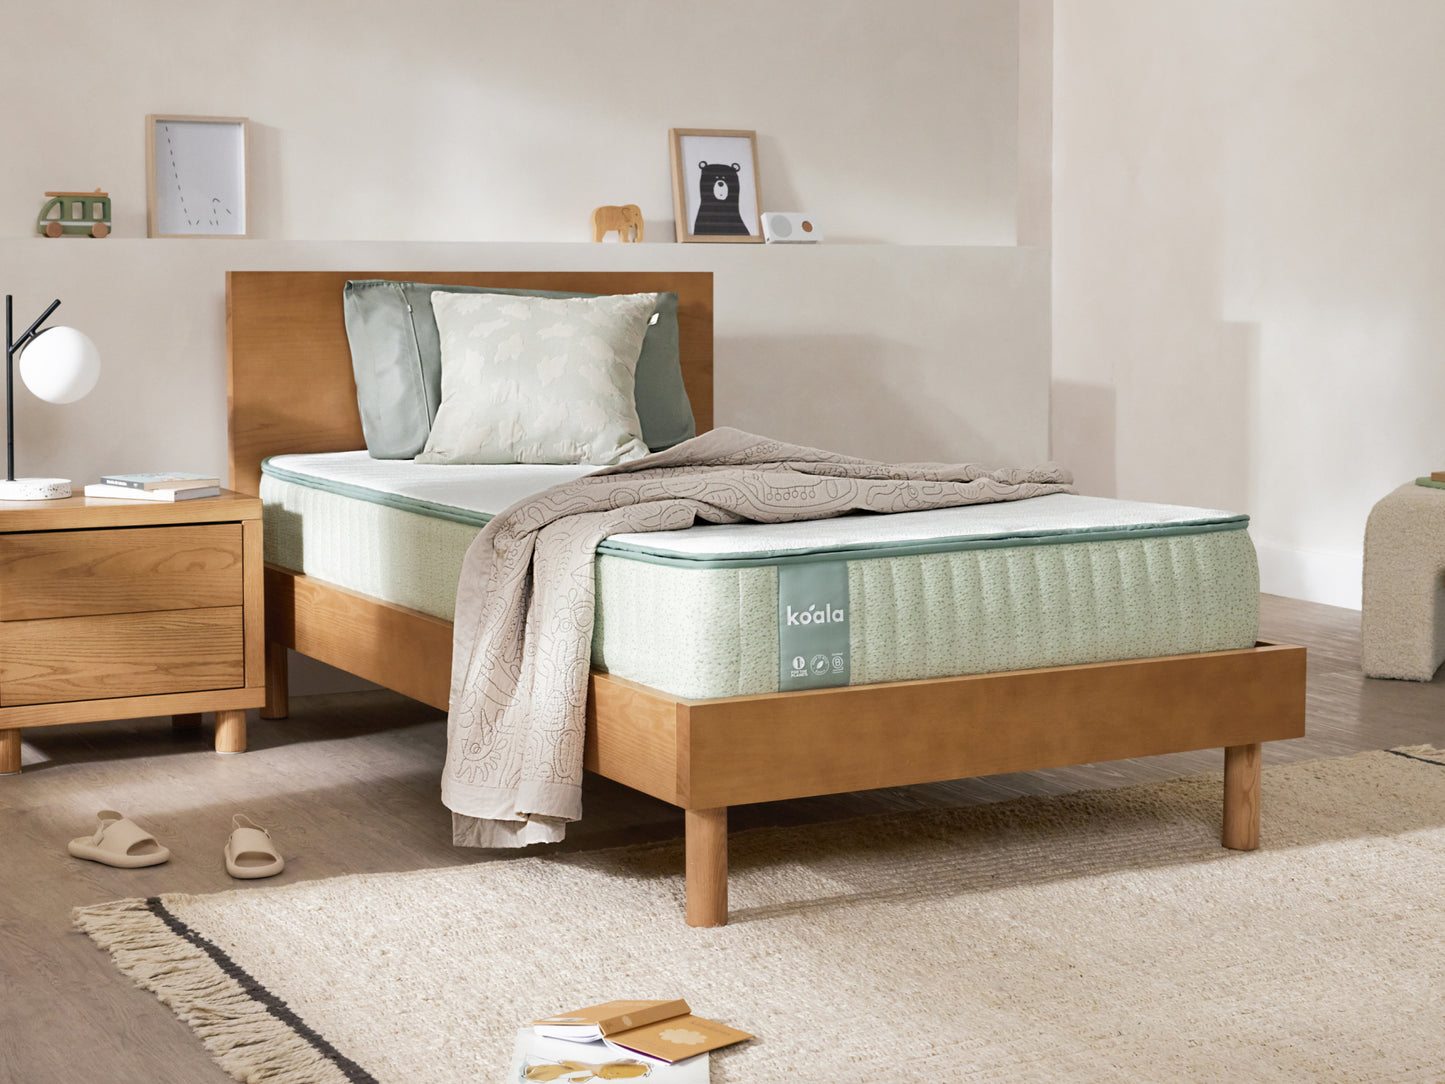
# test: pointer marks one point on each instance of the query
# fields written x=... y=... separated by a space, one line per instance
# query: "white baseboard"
x=1331 y=578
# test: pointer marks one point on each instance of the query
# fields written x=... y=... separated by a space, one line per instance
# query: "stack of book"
x=162 y=486
x=659 y=1040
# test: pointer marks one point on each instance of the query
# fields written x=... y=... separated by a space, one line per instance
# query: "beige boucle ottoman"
x=1402 y=624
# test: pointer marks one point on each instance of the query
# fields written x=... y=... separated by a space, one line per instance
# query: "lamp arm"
x=12 y=348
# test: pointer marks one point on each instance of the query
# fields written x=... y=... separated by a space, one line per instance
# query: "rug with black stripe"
x=1099 y=936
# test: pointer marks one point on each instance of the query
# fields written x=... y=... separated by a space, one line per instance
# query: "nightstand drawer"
x=116 y=655
x=122 y=570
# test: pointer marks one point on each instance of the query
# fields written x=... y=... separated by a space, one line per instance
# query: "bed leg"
x=1241 y=796
x=707 y=866
x=278 y=684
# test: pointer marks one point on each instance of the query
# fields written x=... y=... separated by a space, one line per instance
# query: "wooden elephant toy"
x=626 y=220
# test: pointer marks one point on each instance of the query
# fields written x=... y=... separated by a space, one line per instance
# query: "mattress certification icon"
x=821 y=665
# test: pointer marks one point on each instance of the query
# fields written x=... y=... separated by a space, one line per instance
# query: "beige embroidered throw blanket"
x=523 y=633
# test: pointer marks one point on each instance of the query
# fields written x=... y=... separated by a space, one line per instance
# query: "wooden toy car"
x=78 y=213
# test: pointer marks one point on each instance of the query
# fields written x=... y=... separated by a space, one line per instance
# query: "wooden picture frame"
x=197 y=180
x=715 y=179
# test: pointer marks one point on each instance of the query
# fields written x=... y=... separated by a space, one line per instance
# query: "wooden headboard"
x=289 y=386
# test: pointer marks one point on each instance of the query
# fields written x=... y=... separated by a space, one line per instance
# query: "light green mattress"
x=697 y=613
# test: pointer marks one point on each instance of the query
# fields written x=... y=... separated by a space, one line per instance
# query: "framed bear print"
x=715 y=185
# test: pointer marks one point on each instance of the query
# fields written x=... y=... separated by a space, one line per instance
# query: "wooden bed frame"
x=290 y=389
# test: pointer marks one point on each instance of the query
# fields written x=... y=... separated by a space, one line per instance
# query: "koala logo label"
x=717 y=211
x=815 y=614
x=813 y=625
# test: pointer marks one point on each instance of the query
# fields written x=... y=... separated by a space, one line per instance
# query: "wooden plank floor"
x=350 y=785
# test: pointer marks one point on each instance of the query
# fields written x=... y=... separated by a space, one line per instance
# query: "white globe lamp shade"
x=60 y=365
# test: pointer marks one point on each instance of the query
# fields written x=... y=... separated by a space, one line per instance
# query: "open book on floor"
x=665 y=1030
x=537 y=1058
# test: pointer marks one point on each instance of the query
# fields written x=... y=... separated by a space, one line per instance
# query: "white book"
x=538 y=1057
x=161 y=480
x=98 y=489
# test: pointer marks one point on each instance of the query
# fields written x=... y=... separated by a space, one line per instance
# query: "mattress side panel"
x=402 y=557
x=696 y=633
x=705 y=632
x=713 y=632
x=982 y=611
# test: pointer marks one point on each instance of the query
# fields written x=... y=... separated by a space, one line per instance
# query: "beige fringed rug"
x=1102 y=936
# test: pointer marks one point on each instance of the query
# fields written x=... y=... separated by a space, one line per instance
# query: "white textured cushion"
x=538 y=380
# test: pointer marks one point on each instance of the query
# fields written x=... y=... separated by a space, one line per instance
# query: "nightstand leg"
x=9 y=751
x=230 y=731
x=277 y=682
x=186 y=720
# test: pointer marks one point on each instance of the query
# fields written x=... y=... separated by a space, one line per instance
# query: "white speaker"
x=790 y=227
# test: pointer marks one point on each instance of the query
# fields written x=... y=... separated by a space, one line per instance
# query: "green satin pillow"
x=396 y=360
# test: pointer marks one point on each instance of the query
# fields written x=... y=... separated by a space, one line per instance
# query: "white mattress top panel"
x=1054 y=515
x=484 y=489
x=488 y=490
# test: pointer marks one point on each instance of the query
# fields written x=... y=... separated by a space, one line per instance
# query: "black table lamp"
x=59 y=365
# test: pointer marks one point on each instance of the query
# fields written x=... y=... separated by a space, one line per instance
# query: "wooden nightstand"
x=114 y=609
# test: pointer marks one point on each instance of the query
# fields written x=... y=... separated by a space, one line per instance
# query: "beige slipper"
x=249 y=851
x=119 y=842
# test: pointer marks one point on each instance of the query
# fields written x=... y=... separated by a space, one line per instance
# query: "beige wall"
x=851 y=347
x=496 y=127
x=1249 y=261
x=919 y=330
x=488 y=120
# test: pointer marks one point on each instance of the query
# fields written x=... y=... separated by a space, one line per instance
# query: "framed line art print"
x=196 y=180
x=715 y=185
